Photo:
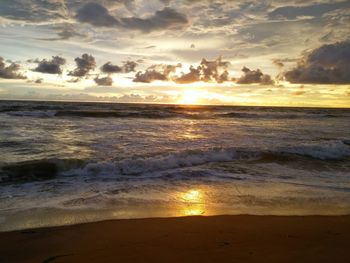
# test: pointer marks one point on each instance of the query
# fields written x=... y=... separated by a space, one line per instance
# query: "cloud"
x=84 y=65
x=106 y=81
x=33 y=11
x=316 y=10
x=128 y=66
x=166 y=18
x=99 y=16
x=278 y=63
x=110 y=68
x=96 y=15
x=207 y=71
x=11 y=71
x=49 y=11
x=156 y=72
x=254 y=76
x=193 y=76
x=328 y=64
x=64 y=32
x=52 y=66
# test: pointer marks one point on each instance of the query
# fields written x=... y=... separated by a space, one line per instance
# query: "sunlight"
x=193 y=203
x=193 y=210
x=190 y=97
x=193 y=196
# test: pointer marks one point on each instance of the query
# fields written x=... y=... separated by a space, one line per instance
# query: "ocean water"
x=65 y=163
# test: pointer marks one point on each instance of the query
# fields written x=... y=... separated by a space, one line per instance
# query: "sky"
x=277 y=53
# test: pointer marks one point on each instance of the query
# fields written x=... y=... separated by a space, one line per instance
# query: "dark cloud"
x=316 y=10
x=193 y=76
x=11 y=71
x=106 y=81
x=33 y=10
x=128 y=66
x=207 y=71
x=84 y=65
x=254 y=76
x=109 y=68
x=52 y=66
x=64 y=32
x=278 y=63
x=96 y=15
x=42 y=11
x=328 y=64
x=166 y=18
x=156 y=72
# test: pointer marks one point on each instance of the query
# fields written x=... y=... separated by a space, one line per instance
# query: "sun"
x=193 y=196
x=190 y=97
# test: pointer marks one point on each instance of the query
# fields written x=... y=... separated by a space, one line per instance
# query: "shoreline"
x=236 y=238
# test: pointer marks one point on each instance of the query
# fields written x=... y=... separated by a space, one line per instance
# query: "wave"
x=160 y=114
x=32 y=113
x=117 y=114
x=246 y=115
x=162 y=162
x=333 y=150
x=336 y=150
x=96 y=110
x=48 y=169
x=105 y=114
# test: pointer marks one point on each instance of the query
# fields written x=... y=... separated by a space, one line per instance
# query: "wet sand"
x=187 y=239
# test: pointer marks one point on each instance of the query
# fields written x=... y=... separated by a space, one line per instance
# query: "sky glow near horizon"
x=279 y=53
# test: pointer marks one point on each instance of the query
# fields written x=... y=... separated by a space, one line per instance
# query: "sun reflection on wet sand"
x=193 y=203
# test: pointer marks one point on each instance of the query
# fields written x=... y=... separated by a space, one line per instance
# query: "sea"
x=65 y=163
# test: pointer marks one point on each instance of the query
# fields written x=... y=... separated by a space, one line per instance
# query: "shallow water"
x=64 y=163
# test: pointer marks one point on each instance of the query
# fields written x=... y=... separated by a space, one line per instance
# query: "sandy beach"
x=186 y=239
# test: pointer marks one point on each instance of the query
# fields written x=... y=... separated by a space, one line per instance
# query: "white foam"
x=162 y=162
x=336 y=150
x=323 y=151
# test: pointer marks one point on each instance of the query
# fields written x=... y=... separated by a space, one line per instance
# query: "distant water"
x=64 y=163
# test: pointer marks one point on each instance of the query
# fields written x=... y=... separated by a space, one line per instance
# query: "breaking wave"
x=337 y=150
x=48 y=169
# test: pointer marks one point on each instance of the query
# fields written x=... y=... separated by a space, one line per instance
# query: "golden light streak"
x=194 y=203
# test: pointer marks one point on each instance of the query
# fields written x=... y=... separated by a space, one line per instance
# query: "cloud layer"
x=99 y=16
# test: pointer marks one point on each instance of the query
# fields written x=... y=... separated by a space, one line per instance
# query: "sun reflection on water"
x=193 y=203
